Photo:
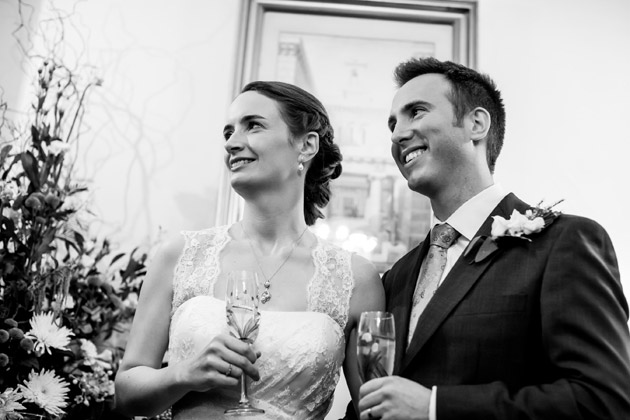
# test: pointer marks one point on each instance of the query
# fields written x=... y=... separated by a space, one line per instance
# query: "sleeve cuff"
x=432 y=404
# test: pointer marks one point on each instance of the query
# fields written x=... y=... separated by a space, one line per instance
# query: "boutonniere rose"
x=518 y=227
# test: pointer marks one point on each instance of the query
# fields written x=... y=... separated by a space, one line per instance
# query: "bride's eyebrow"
x=244 y=120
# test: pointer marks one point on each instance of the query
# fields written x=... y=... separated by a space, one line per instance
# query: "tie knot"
x=443 y=235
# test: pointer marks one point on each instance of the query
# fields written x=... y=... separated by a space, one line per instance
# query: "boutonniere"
x=517 y=228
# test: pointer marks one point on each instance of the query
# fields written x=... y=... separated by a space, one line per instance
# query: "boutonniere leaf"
x=518 y=227
x=487 y=248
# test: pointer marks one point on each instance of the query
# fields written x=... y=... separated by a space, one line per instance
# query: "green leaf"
x=131 y=268
x=18 y=202
x=45 y=173
x=29 y=163
x=7 y=228
x=473 y=244
x=44 y=246
x=16 y=159
x=30 y=362
x=117 y=257
x=4 y=153
x=79 y=239
x=35 y=135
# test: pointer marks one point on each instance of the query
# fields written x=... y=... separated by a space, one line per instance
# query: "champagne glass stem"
x=244 y=399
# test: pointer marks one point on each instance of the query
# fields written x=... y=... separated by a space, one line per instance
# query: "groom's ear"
x=480 y=121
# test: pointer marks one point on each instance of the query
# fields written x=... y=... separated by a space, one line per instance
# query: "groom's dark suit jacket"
x=538 y=330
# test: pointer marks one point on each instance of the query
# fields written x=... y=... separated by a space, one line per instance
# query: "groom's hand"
x=393 y=398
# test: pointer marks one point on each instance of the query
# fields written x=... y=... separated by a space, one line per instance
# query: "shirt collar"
x=469 y=217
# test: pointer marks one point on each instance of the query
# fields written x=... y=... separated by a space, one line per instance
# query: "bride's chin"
x=246 y=188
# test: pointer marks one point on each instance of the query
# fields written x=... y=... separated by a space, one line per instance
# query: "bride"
x=281 y=158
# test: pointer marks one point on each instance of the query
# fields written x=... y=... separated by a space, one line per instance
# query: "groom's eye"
x=418 y=110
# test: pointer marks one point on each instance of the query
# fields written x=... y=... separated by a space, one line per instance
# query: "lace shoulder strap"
x=331 y=287
x=198 y=266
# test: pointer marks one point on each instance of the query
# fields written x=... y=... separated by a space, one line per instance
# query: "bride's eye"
x=254 y=124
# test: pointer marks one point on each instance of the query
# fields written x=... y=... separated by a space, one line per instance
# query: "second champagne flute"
x=376 y=345
x=243 y=318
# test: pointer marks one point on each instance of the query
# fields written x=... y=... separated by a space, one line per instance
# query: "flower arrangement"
x=65 y=297
x=517 y=227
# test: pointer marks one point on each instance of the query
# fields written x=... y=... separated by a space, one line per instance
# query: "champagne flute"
x=376 y=345
x=243 y=318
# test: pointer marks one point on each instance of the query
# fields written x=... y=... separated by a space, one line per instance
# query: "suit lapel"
x=401 y=301
x=456 y=285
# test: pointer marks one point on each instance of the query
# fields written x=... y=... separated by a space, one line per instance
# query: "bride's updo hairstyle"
x=303 y=112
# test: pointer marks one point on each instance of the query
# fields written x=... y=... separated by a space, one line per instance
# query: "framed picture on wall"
x=345 y=53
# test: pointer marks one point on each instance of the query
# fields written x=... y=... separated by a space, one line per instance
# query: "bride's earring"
x=300 y=167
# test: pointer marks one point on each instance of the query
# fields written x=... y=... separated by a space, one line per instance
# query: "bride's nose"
x=236 y=142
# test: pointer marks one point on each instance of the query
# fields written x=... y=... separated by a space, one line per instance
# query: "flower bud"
x=11 y=322
x=16 y=333
x=117 y=301
x=33 y=202
x=52 y=200
x=4 y=360
x=4 y=336
x=38 y=195
x=27 y=344
x=94 y=281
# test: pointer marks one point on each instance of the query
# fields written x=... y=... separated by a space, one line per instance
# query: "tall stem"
x=244 y=399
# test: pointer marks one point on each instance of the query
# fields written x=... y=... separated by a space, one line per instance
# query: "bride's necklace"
x=265 y=296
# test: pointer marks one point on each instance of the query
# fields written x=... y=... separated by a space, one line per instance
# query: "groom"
x=523 y=319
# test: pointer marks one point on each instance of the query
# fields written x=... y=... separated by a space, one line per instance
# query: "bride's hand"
x=220 y=364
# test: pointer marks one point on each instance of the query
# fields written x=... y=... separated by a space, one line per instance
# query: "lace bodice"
x=302 y=352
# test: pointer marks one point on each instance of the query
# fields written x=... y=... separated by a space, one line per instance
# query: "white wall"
x=563 y=68
x=153 y=142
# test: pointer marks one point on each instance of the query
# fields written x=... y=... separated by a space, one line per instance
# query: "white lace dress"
x=302 y=352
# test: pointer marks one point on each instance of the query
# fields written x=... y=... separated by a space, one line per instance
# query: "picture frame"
x=344 y=52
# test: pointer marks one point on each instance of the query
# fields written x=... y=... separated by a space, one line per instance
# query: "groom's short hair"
x=469 y=90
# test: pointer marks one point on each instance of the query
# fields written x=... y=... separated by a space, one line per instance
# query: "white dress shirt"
x=467 y=220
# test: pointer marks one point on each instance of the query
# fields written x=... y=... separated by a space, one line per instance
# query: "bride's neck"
x=274 y=227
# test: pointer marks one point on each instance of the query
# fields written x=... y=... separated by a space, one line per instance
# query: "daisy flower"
x=47 y=334
x=9 y=404
x=47 y=390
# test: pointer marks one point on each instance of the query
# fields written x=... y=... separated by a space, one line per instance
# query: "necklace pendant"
x=265 y=296
x=422 y=294
x=267 y=284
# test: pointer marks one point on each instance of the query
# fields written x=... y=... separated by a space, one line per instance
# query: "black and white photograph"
x=314 y=209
